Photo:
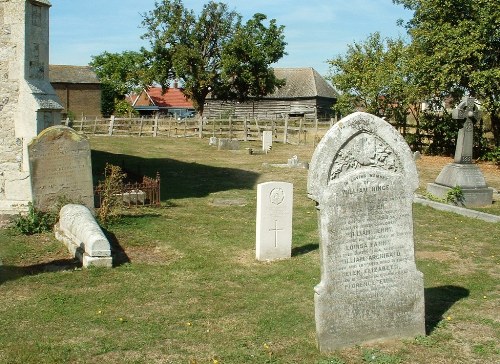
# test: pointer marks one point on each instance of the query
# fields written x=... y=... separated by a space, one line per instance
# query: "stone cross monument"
x=463 y=173
x=466 y=110
x=28 y=103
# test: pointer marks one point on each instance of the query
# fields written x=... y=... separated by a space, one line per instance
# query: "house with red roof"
x=171 y=102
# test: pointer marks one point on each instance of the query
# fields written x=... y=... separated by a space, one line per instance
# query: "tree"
x=373 y=76
x=455 y=48
x=120 y=74
x=213 y=52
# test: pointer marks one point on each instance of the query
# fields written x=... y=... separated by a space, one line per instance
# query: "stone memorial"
x=228 y=144
x=61 y=167
x=362 y=176
x=462 y=172
x=267 y=140
x=274 y=220
x=28 y=103
x=79 y=231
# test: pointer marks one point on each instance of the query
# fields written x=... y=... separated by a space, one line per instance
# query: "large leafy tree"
x=120 y=74
x=455 y=50
x=373 y=76
x=213 y=52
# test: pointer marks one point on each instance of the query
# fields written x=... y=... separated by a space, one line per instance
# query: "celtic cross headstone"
x=467 y=110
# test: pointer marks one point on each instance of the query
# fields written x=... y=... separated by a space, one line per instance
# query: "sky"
x=315 y=30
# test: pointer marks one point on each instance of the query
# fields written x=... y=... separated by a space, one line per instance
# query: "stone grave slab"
x=228 y=144
x=61 y=168
x=274 y=220
x=363 y=176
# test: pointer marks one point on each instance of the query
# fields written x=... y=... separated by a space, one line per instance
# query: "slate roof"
x=173 y=97
x=302 y=83
x=72 y=74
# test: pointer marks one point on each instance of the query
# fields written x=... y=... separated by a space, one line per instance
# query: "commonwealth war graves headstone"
x=362 y=176
x=463 y=173
x=61 y=167
x=267 y=140
x=274 y=220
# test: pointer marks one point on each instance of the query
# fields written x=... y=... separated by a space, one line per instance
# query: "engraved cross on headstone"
x=275 y=233
x=465 y=110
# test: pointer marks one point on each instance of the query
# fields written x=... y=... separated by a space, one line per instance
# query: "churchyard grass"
x=187 y=287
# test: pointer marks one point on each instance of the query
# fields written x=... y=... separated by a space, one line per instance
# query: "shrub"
x=110 y=190
x=35 y=221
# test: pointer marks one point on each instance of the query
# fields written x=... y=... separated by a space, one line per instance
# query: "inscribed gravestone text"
x=362 y=176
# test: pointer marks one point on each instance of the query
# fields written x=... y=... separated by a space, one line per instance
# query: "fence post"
x=111 y=125
x=315 y=132
x=67 y=122
x=300 y=131
x=200 y=129
x=95 y=126
x=245 y=137
x=169 y=126
x=81 y=123
x=258 y=128
x=155 y=127
x=230 y=127
x=185 y=127
x=140 y=128
x=285 y=132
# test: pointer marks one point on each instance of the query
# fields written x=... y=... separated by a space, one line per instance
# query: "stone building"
x=28 y=103
x=78 y=89
x=305 y=94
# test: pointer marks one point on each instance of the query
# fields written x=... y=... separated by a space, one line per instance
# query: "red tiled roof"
x=173 y=97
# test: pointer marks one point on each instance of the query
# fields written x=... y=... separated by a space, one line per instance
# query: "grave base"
x=466 y=176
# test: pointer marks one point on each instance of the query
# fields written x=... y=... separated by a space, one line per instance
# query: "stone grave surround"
x=362 y=176
x=274 y=221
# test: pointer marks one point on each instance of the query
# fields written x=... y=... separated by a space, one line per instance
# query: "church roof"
x=71 y=74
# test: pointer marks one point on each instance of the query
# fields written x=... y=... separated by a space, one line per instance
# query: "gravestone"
x=274 y=220
x=462 y=172
x=61 y=168
x=28 y=103
x=228 y=144
x=362 y=176
x=267 y=140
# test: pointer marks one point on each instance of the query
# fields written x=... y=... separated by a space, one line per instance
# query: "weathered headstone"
x=28 y=103
x=267 y=140
x=61 y=168
x=212 y=140
x=274 y=220
x=228 y=144
x=363 y=176
x=463 y=173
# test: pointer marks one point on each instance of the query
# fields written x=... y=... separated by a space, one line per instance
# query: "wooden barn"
x=78 y=88
x=306 y=94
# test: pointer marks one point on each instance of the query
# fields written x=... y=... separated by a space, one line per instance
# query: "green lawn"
x=187 y=288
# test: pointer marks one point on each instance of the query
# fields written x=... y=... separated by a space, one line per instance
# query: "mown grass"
x=187 y=288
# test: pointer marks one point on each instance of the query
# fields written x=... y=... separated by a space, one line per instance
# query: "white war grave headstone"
x=267 y=140
x=60 y=167
x=463 y=172
x=274 y=220
x=28 y=102
x=362 y=176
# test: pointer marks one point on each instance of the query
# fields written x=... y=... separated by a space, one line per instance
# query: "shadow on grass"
x=9 y=273
x=304 y=249
x=437 y=301
x=178 y=179
x=117 y=252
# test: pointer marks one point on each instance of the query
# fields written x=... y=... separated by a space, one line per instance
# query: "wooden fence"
x=288 y=130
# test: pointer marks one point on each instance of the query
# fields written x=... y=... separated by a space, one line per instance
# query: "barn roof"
x=302 y=83
x=72 y=74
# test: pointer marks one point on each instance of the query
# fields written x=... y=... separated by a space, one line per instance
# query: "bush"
x=492 y=156
x=35 y=221
x=110 y=190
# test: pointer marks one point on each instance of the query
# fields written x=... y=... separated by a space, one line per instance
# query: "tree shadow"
x=9 y=273
x=178 y=179
x=304 y=249
x=438 y=300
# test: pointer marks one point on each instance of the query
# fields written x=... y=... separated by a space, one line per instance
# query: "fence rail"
x=288 y=130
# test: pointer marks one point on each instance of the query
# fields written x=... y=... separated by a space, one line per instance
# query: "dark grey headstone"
x=363 y=176
x=61 y=168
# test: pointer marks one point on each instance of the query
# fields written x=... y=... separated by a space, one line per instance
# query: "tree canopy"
x=455 y=47
x=213 y=52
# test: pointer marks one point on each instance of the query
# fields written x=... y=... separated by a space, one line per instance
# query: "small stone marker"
x=274 y=220
x=212 y=140
x=267 y=140
x=463 y=173
x=61 y=167
x=363 y=176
